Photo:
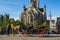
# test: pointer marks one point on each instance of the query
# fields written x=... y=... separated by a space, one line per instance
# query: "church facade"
x=33 y=15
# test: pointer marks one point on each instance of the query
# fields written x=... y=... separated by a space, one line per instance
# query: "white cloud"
x=16 y=18
x=54 y=17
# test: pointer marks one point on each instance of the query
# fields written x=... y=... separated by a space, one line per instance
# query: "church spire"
x=50 y=16
x=44 y=7
x=34 y=3
x=24 y=8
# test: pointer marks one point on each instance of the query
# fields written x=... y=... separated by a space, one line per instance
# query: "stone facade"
x=33 y=15
x=58 y=24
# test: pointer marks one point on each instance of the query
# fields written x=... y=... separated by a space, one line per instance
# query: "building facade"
x=4 y=19
x=33 y=15
x=52 y=23
x=53 y=26
x=58 y=24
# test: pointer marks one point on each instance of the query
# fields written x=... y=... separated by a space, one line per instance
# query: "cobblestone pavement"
x=4 y=37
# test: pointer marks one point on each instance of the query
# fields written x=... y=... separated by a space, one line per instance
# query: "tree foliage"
x=46 y=26
x=11 y=21
x=1 y=23
x=17 y=22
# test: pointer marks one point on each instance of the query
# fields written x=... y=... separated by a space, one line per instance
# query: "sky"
x=15 y=7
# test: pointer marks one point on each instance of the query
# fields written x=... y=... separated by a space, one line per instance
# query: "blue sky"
x=14 y=7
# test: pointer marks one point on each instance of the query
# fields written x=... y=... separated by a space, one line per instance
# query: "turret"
x=50 y=16
x=24 y=8
x=44 y=8
x=44 y=12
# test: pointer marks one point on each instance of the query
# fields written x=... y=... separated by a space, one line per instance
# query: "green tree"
x=17 y=22
x=22 y=24
x=46 y=26
x=12 y=21
x=1 y=23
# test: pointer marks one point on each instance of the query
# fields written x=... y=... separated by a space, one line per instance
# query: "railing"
x=34 y=35
x=39 y=35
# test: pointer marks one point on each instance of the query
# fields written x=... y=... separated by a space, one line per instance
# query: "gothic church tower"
x=34 y=3
x=34 y=14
